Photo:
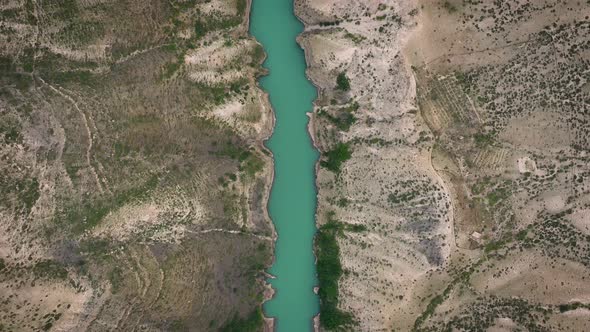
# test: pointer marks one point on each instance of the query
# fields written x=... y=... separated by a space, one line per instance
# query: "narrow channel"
x=292 y=202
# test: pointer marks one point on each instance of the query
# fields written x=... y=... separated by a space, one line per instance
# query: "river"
x=292 y=202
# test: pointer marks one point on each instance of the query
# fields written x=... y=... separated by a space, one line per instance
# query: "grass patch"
x=329 y=23
x=480 y=186
x=10 y=77
x=440 y=298
x=257 y=55
x=61 y=9
x=82 y=32
x=202 y=27
x=96 y=248
x=50 y=269
x=483 y=140
x=216 y=93
x=73 y=76
x=178 y=326
x=88 y=215
x=252 y=165
x=30 y=194
x=116 y=279
x=170 y=69
x=497 y=245
x=497 y=196
x=435 y=302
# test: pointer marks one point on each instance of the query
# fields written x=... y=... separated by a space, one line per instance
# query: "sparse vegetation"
x=490 y=162
x=112 y=153
x=482 y=140
x=50 y=269
x=89 y=214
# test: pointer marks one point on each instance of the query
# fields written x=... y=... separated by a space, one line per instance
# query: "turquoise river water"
x=293 y=197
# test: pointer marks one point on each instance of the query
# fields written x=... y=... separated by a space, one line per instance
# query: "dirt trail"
x=221 y=230
x=88 y=132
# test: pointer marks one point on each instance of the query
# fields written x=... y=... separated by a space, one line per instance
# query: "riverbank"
x=269 y=322
x=385 y=117
x=423 y=94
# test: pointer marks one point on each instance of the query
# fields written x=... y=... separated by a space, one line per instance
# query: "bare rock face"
x=454 y=141
x=133 y=181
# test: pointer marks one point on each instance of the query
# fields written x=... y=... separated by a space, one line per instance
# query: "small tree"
x=337 y=156
x=342 y=82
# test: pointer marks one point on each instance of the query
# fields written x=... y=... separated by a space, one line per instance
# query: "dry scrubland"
x=132 y=179
x=454 y=185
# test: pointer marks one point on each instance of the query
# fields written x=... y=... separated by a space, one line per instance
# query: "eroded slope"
x=133 y=179
x=454 y=138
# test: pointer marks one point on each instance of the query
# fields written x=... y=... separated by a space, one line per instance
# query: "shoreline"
x=269 y=292
x=310 y=131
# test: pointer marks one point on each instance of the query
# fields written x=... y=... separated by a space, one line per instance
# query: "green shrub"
x=329 y=272
x=342 y=82
x=11 y=130
x=572 y=306
x=50 y=269
x=335 y=157
x=249 y=324
x=241 y=7
x=30 y=194
x=449 y=7
x=356 y=228
x=344 y=119
x=200 y=29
